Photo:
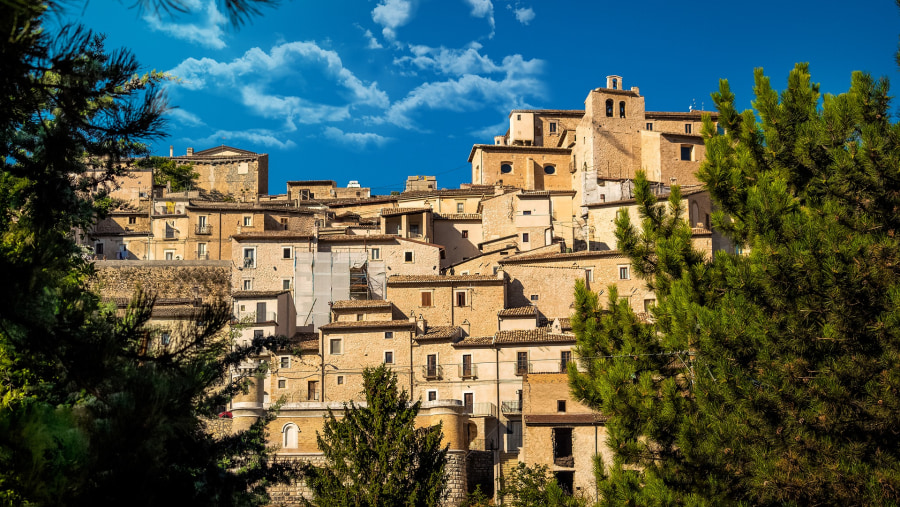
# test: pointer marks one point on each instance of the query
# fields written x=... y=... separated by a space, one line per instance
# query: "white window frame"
x=290 y=283
x=460 y=207
x=385 y=355
x=284 y=361
x=627 y=272
x=289 y=250
x=248 y=221
x=247 y=284
x=169 y=255
x=244 y=257
x=375 y=253
x=429 y=392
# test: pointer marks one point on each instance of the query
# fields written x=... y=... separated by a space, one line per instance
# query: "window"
x=257 y=334
x=513 y=435
x=560 y=405
x=460 y=207
x=359 y=317
x=98 y=248
x=414 y=228
x=549 y=169
x=407 y=256
x=170 y=254
x=687 y=128
x=649 y=127
x=465 y=234
x=132 y=220
x=286 y=362
x=248 y=284
x=286 y=284
x=286 y=252
x=622 y=109
x=525 y=238
x=534 y=297
x=388 y=357
x=468 y=402
x=609 y=108
x=687 y=152
x=552 y=127
x=589 y=275
x=388 y=335
x=249 y=257
x=467 y=369
x=615 y=84
x=562 y=447
x=201 y=250
x=460 y=298
x=526 y=212
x=623 y=273
x=375 y=253
x=312 y=390
x=505 y=168
x=165 y=338
x=432 y=395
x=284 y=221
x=340 y=380
x=248 y=221
x=426 y=298
x=431 y=366
x=521 y=363
x=518 y=117
x=335 y=346
x=565 y=357
x=291 y=436
x=282 y=383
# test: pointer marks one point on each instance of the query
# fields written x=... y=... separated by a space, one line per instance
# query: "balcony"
x=203 y=230
x=511 y=407
x=202 y=256
x=481 y=410
x=468 y=371
x=432 y=371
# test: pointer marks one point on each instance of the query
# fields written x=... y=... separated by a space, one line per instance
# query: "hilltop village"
x=465 y=293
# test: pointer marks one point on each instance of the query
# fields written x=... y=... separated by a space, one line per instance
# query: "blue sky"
x=378 y=90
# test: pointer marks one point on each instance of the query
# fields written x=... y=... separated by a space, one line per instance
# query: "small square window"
x=287 y=252
x=257 y=334
x=248 y=284
x=285 y=362
x=407 y=256
x=132 y=220
x=534 y=297
x=687 y=152
x=359 y=317
x=687 y=128
x=432 y=395
x=165 y=338
x=460 y=207
x=340 y=380
x=388 y=357
x=375 y=253
x=525 y=237
x=465 y=234
x=560 y=405
x=526 y=212
x=248 y=221
x=388 y=335
x=649 y=127
x=426 y=298
x=282 y=384
x=624 y=273
x=286 y=284
x=335 y=346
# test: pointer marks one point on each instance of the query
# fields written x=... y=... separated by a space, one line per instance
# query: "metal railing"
x=202 y=256
x=486 y=409
x=203 y=230
x=468 y=370
x=432 y=371
x=511 y=407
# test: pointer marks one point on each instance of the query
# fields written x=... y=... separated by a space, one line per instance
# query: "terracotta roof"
x=537 y=419
x=550 y=112
x=258 y=294
x=477 y=190
x=560 y=256
x=190 y=312
x=439 y=333
x=475 y=341
x=521 y=311
x=457 y=216
x=347 y=304
x=616 y=91
x=309 y=344
x=660 y=197
x=246 y=206
x=534 y=193
x=539 y=335
x=339 y=203
x=273 y=235
x=389 y=212
x=679 y=115
x=362 y=324
x=358 y=237
x=438 y=279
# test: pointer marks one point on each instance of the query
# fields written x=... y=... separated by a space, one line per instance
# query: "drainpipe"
x=497 y=426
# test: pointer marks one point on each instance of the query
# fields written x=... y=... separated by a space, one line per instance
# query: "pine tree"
x=376 y=455
x=89 y=415
x=771 y=377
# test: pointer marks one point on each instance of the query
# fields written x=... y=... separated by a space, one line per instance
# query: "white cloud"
x=356 y=139
x=459 y=62
x=524 y=15
x=392 y=14
x=292 y=109
x=483 y=9
x=490 y=131
x=373 y=42
x=209 y=33
x=258 y=136
x=185 y=118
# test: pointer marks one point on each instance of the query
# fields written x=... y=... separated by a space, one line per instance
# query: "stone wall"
x=207 y=280
x=480 y=471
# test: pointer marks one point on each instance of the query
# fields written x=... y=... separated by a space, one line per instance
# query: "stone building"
x=228 y=171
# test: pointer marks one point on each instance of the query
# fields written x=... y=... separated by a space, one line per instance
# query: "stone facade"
x=207 y=281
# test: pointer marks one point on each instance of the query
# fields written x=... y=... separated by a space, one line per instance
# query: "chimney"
x=466 y=327
x=171 y=151
x=421 y=325
x=190 y=152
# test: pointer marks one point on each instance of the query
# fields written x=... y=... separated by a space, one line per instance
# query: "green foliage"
x=527 y=486
x=179 y=177
x=790 y=389
x=91 y=413
x=376 y=455
x=477 y=498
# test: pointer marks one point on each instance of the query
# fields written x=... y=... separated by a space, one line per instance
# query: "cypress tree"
x=769 y=376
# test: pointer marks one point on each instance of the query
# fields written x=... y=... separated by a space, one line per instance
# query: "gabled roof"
x=521 y=311
x=442 y=279
x=220 y=151
x=258 y=294
x=369 y=324
x=439 y=333
x=560 y=256
x=349 y=304
x=475 y=341
x=526 y=336
x=390 y=212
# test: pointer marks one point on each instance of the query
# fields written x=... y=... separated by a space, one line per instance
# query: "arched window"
x=549 y=169
x=622 y=109
x=609 y=108
x=695 y=214
x=615 y=84
x=505 y=168
x=290 y=436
